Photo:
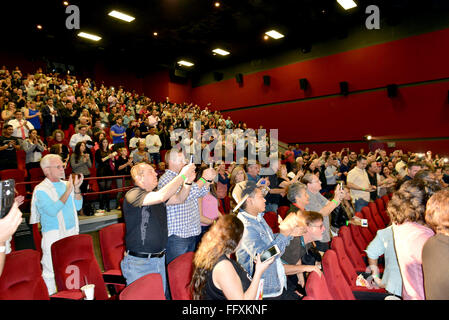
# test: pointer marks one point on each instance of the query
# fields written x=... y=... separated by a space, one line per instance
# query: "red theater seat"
x=149 y=287
x=316 y=288
x=272 y=220
x=336 y=282
x=180 y=272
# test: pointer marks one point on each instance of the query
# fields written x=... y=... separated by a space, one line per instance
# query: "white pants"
x=48 y=238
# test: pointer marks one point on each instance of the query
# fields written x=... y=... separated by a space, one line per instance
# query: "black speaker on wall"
x=303 y=84
x=218 y=76
x=266 y=80
x=344 y=88
x=392 y=90
x=239 y=78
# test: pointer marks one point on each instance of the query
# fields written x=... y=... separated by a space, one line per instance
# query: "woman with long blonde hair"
x=216 y=276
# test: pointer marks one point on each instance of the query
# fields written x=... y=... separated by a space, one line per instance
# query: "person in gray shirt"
x=320 y=204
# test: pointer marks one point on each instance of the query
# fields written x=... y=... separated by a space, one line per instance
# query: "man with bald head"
x=145 y=216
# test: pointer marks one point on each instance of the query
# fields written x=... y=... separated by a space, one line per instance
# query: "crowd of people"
x=214 y=208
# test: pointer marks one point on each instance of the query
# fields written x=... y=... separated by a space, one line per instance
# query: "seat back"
x=382 y=211
x=282 y=211
x=22 y=277
x=359 y=240
x=351 y=249
x=112 y=245
x=365 y=232
x=336 y=282
x=372 y=226
x=36 y=174
x=75 y=265
x=272 y=220
x=180 y=272
x=376 y=216
x=386 y=199
x=344 y=262
x=148 y=287
x=37 y=237
x=316 y=287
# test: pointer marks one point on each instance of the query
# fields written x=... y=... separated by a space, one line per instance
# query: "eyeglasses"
x=57 y=167
x=321 y=226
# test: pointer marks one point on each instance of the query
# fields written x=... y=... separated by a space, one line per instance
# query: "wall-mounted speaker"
x=392 y=90
x=303 y=84
x=266 y=80
x=218 y=76
x=344 y=88
x=239 y=78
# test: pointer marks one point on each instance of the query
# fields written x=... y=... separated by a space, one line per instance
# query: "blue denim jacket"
x=258 y=237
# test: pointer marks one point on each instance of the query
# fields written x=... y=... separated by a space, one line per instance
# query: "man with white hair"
x=54 y=204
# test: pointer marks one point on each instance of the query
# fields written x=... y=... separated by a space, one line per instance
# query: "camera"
x=7 y=195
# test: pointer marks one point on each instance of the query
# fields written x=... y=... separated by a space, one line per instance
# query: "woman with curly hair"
x=410 y=232
x=216 y=276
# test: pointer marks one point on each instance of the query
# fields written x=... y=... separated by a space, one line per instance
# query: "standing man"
x=320 y=204
x=183 y=219
x=145 y=216
x=50 y=118
x=358 y=183
x=21 y=126
x=8 y=147
x=118 y=134
x=153 y=143
x=54 y=204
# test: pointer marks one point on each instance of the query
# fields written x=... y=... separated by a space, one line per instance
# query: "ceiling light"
x=155 y=34
x=217 y=4
x=66 y=3
x=39 y=27
x=265 y=37
x=274 y=34
x=347 y=4
x=368 y=137
x=220 y=52
x=185 y=63
x=121 y=16
x=89 y=36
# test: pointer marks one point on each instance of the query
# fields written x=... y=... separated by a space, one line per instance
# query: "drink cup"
x=88 y=291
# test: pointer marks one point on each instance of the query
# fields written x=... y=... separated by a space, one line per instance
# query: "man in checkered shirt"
x=183 y=220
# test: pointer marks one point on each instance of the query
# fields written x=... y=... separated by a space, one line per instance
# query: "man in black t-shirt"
x=8 y=147
x=146 y=220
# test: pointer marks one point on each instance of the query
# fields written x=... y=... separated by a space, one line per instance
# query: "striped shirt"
x=183 y=220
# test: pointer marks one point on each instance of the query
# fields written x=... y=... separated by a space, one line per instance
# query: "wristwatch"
x=2 y=249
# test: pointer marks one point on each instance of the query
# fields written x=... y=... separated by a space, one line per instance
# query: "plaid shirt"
x=183 y=220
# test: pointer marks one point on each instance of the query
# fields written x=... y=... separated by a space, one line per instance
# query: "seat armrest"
x=68 y=295
x=114 y=277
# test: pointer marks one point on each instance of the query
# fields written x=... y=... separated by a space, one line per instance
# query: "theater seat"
x=336 y=282
x=75 y=255
x=149 y=287
x=37 y=238
x=282 y=211
x=372 y=226
x=272 y=220
x=376 y=216
x=365 y=231
x=382 y=210
x=359 y=240
x=112 y=246
x=351 y=249
x=180 y=272
x=316 y=288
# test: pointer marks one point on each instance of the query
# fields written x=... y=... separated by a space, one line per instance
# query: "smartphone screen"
x=270 y=252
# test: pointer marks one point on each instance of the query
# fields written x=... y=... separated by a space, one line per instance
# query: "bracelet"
x=375 y=276
x=363 y=189
x=335 y=201
x=187 y=183
x=202 y=179
x=184 y=177
x=347 y=222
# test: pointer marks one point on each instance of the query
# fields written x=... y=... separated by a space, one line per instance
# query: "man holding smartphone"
x=258 y=237
x=8 y=147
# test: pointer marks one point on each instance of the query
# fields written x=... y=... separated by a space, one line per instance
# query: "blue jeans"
x=155 y=157
x=359 y=204
x=271 y=207
x=177 y=246
x=134 y=268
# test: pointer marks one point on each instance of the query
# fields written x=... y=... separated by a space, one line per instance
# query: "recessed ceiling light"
x=39 y=27
x=274 y=34
x=221 y=52
x=347 y=4
x=89 y=36
x=217 y=4
x=185 y=63
x=155 y=34
x=265 y=37
x=121 y=16
x=66 y=3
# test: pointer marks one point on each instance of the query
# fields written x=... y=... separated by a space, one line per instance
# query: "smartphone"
x=263 y=182
x=364 y=223
x=341 y=185
x=191 y=158
x=269 y=253
x=211 y=165
x=7 y=195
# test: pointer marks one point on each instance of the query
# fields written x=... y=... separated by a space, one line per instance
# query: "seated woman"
x=216 y=276
x=344 y=214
